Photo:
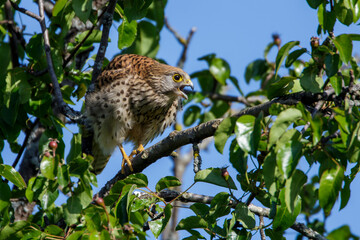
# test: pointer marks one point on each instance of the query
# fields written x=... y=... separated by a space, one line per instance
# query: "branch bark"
x=169 y=195
x=204 y=130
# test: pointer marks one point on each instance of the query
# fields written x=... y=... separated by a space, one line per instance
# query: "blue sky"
x=237 y=31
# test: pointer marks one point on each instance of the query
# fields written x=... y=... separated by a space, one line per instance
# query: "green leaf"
x=127 y=33
x=158 y=225
x=336 y=83
x=255 y=70
x=167 y=182
x=59 y=5
x=283 y=218
x=282 y=122
x=223 y=132
x=245 y=216
x=342 y=233
x=147 y=40
x=344 y=12
x=191 y=114
x=214 y=176
x=330 y=186
x=48 y=167
x=293 y=187
x=72 y=210
x=12 y=175
x=205 y=79
x=220 y=69
x=35 y=47
x=283 y=52
x=4 y=196
x=314 y=3
x=332 y=63
x=75 y=150
x=344 y=45
x=48 y=195
x=54 y=230
x=191 y=223
x=310 y=81
x=219 y=207
x=82 y=9
x=139 y=179
x=280 y=87
x=156 y=12
x=238 y=158
x=288 y=157
x=345 y=193
x=94 y=37
x=294 y=56
x=14 y=230
x=326 y=19
x=136 y=9
x=247 y=131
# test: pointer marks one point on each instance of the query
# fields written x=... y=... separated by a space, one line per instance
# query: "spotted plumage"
x=135 y=99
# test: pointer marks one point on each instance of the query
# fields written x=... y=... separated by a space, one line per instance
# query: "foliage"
x=325 y=137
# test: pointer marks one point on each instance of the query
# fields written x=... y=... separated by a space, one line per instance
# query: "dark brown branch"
x=169 y=195
x=107 y=22
x=78 y=46
x=184 y=42
x=23 y=10
x=13 y=35
x=63 y=107
x=198 y=133
x=27 y=135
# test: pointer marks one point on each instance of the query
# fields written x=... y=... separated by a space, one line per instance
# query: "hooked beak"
x=186 y=83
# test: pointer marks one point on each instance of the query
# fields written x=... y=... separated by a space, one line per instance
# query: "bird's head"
x=174 y=81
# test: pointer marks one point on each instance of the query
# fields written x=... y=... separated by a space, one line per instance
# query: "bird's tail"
x=100 y=159
x=91 y=147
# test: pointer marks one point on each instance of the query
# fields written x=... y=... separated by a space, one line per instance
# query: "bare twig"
x=13 y=37
x=78 y=46
x=27 y=135
x=262 y=232
x=107 y=21
x=25 y=11
x=184 y=42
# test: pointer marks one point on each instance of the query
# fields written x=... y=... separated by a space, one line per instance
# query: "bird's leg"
x=136 y=151
x=125 y=159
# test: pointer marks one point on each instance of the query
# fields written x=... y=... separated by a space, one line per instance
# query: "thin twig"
x=184 y=42
x=27 y=135
x=78 y=46
x=262 y=232
x=107 y=22
x=25 y=11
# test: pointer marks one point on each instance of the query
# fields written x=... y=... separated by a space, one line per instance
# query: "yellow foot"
x=136 y=151
x=125 y=159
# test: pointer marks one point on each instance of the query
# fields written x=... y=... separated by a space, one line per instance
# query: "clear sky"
x=237 y=31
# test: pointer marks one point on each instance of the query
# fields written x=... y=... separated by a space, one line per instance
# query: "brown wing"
x=123 y=66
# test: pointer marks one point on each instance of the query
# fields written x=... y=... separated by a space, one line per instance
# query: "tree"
x=305 y=111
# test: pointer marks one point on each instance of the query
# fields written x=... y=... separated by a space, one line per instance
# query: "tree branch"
x=107 y=22
x=204 y=130
x=169 y=195
x=23 y=10
x=184 y=42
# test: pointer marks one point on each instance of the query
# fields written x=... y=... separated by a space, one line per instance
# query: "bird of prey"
x=135 y=99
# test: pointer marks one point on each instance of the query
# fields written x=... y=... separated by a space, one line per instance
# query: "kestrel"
x=135 y=99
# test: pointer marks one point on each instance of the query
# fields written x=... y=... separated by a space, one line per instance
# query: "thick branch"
x=198 y=133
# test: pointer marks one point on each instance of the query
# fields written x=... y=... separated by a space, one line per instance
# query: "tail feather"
x=100 y=159
x=91 y=147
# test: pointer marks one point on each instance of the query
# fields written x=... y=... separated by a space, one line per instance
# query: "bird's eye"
x=177 y=77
